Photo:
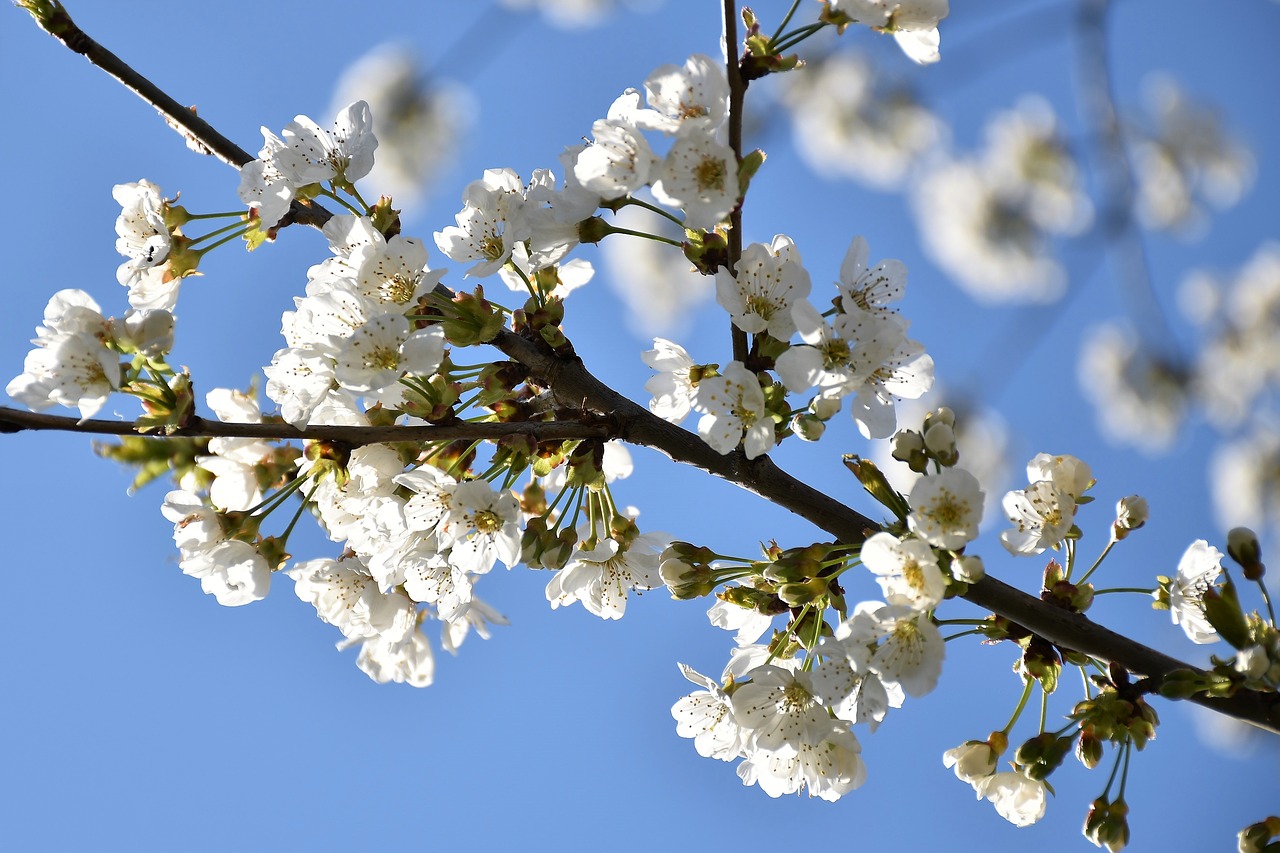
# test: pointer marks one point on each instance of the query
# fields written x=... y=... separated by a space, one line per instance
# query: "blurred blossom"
x=1239 y=360
x=1139 y=398
x=1245 y=479
x=1183 y=156
x=419 y=122
x=849 y=121
x=656 y=282
x=988 y=220
x=577 y=14
x=981 y=436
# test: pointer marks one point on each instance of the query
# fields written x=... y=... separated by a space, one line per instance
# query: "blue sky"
x=141 y=715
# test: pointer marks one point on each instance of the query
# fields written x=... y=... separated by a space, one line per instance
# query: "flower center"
x=710 y=174
x=487 y=521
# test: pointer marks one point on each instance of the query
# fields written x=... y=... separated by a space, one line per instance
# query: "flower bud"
x=968 y=568
x=800 y=594
x=808 y=427
x=940 y=441
x=824 y=408
x=148 y=331
x=1131 y=513
x=686 y=581
x=908 y=447
x=1242 y=546
x=1089 y=748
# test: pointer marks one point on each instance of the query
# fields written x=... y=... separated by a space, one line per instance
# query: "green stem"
x=239 y=214
x=236 y=226
x=962 y=634
x=651 y=207
x=1022 y=703
x=1098 y=592
x=284 y=537
x=655 y=237
x=794 y=37
x=777 y=34
x=1266 y=597
x=1097 y=562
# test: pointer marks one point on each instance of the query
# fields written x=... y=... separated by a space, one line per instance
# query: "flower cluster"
x=988 y=220
x=305 y=156
x=848 y=121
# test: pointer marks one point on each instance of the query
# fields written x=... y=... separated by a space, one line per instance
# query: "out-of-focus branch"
x=622 y=418
x=1116 y=222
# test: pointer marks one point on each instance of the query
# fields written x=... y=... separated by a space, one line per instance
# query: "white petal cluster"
x=306 y=154
x=230 y=570
x=602 y=576
x=914 y=23
x=848 y=121
x=769 y=279
x=699 y=172
x=864 y=352
x=946 y=508
x=671 y=387
x=350 y=336
x=792 y=726
x=989 y=220
x=734 y=412
x=1184 y=160
x=1044 y=512
x=72 y=364
x=1198 y=571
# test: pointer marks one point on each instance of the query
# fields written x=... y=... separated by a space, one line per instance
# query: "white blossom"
x=733 y=411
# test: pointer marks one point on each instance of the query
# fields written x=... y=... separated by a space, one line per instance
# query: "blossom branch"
x=15 y=420
x=619 y=417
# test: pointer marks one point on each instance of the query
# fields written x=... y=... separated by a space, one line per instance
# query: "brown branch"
x=15 y=420
x=569 y=380
x=53 y=18
x=737 y=94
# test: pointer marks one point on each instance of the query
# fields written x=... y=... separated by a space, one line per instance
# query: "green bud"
x=1242 y=546
x=1222 y=610
x=1089 y=748
x=472 y=319
x=798 y=594
x=808 y=427
x=873 y=480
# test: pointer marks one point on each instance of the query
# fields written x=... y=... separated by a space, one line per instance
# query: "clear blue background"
x=139 y=715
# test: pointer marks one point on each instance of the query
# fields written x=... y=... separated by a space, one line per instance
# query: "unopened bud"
x=908 y=447
x=1242 y=546
x=940 y=441
x=824 y=408
x=1131 y=513
x=808 y=427
x=968 y=568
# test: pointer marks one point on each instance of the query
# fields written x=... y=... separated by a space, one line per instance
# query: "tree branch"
x=571 y=383
x=53 y=18
x=15 y=420
x=737 y=93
